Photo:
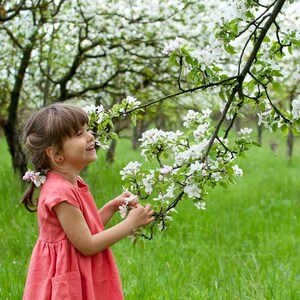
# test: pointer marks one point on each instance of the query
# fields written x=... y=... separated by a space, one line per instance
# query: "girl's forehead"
x=84 y=126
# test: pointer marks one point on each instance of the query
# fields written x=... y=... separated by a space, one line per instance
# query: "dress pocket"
x=66 y=287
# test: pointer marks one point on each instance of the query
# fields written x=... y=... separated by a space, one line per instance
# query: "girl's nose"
x=90 y=135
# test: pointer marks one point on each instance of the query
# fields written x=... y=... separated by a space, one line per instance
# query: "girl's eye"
x=81 y=131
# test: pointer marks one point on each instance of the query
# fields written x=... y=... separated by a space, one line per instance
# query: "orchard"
x=143 y=62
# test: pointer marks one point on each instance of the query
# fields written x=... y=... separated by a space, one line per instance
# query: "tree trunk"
x=110 y=154
x=290 y=137
x=237 y=124
x=259 y=134
x=10 y=126
x=140 y=127
x=290 y=144
x=19 y=160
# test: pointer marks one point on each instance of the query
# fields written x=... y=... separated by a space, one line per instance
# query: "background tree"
x=82 y=51
x=91 y=52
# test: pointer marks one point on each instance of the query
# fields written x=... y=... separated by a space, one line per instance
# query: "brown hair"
x=48 y=127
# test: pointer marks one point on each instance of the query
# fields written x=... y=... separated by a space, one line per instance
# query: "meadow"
x=246 y=244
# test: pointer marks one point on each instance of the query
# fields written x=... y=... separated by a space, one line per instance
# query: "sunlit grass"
x=244 y=246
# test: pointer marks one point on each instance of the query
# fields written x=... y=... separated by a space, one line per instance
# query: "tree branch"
x=15 y=11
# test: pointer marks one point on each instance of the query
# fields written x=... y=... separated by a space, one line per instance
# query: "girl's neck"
x=69 y=176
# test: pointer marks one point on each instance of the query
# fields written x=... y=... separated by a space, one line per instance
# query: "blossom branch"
x=191 y=90
x=198 y=157
x=161 y=215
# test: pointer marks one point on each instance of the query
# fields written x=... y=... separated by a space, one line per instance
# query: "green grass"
x=246 y=244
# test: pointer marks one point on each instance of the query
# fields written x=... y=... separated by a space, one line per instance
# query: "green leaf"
x=295 y=130
x=173 y=60
x=274 y=127
x=256 y=144
x=276 y=86
x=189 y=60
x=133 y=119
x=224 y=184
x=222 y=96
x=114 y=136
x=230 y=49
x=249 y=15
x=165 y=155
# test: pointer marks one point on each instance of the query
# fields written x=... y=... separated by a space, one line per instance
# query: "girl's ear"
x=54 y=155
x=50 y=152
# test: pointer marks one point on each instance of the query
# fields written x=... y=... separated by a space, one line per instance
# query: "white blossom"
x=296 y=74
x=131 y=103
x=296 y=108
x=123 y=211
x=148 y=182
x=237 y=170
x=90 y=108
x=246 y=131
x=173 y=45
x=35 y=177
x=191 y=118
x=200 y=205
x=166 y=170
x=195 y=167
x=262 y=116
x=154 y=138
x=194 y=152
x=216 y=176
x=192 y=190
x=98 y=111
x=129 y=199
x=200 y=131
x=131 y=169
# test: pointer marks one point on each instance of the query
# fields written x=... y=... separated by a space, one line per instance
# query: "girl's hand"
x=141 y=215
x=125 y=197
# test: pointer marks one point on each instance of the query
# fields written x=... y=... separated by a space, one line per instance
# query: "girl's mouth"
x=91 y=148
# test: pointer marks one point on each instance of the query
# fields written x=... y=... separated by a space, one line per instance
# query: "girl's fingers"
x=148 y=207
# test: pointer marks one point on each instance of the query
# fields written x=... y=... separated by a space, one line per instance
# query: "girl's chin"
x=95 y=156
x=92 y=152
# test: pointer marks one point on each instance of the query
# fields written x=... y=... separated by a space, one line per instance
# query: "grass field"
x=246 y=244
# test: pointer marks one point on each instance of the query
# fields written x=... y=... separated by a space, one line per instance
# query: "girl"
x=71 y=259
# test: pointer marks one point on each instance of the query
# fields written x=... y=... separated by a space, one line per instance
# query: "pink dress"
x=57 y=271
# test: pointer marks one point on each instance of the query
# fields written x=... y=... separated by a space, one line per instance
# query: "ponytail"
x=36 y=180
x=28 y=198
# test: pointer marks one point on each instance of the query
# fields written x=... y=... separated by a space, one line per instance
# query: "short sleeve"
x=56 y=201
x=61 y=194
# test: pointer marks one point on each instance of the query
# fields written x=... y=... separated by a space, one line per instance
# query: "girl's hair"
x=48 y=127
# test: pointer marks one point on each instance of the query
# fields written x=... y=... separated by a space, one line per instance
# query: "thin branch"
x=233 y=120
x=12 y=37
x=179 y=75
x=286 y=120
x=93 y=87
x=15 y=10
x=161 y=215
x=264 y=30
x=202 y=87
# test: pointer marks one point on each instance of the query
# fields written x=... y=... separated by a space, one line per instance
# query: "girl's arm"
x=78 y=232
x=109 y=209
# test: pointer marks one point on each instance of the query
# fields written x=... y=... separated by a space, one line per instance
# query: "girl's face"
x=79 y=150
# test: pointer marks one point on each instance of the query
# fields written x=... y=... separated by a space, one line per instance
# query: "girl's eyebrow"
x=82 y=127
